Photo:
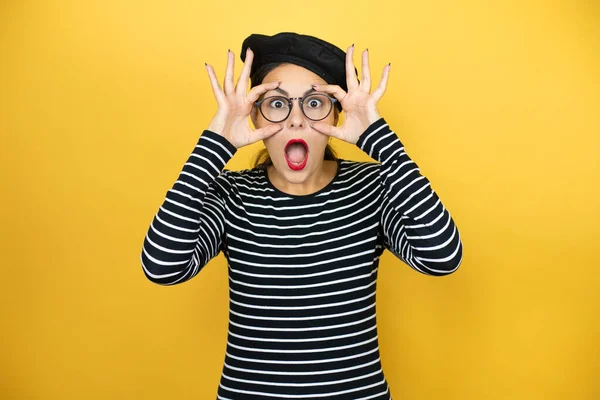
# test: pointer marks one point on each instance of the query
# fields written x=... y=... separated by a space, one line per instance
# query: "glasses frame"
x=290 y=101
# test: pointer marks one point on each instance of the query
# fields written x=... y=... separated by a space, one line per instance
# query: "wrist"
x=373 y=117
x=367 y=135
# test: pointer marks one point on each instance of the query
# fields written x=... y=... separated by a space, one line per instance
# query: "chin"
x=295 y=176
x=290 y=175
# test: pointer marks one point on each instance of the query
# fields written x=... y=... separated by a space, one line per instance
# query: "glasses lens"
x=317 y=106
x=275 y=108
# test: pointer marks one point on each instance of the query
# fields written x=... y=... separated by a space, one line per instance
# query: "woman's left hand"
x=359 y=105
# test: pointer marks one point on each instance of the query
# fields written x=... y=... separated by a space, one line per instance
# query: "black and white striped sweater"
x=302 y=269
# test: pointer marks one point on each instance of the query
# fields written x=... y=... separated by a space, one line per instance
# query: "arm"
x=187 y=230
x=416 y=227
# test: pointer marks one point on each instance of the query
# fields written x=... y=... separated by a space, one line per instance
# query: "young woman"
x=303 y=231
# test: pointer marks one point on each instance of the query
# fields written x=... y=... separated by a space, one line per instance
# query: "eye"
x=314 y=103
x=277 y=103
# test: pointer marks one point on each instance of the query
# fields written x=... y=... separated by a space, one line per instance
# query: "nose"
x=296 y=118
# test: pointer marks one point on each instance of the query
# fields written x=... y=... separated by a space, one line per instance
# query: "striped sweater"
x=302 y=269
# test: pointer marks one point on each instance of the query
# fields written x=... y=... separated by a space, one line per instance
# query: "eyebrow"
x=280 y=90
x=283 y=92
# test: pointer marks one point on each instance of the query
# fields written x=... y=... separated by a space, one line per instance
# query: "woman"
x=302 y=232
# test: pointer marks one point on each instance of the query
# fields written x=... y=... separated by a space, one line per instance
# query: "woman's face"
x=298 y=161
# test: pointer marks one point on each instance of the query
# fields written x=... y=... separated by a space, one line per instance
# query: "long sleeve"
x=415 y=225
x=187 y=230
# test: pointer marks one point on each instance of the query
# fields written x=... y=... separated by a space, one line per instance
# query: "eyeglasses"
x=316 y=106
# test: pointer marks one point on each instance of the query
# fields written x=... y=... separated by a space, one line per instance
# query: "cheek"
x=330 y=118
x=274 y=145
x=318 y=145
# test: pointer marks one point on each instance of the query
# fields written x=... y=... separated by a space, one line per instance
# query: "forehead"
x=293 y=77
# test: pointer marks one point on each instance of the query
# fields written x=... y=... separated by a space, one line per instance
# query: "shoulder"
x=230 y=179
x=349 y=166
x=359 y=173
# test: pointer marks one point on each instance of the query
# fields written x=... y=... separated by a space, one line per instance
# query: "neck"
x=315 y=181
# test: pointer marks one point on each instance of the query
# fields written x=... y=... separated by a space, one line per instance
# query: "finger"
x=242 y=83
x=378 y=93
x=214 y=83
x=351 y=79
x=335 y=90
x=366 y=72
x=327 y=129
x=265 y=132
x=256 y=91
x=228 y=81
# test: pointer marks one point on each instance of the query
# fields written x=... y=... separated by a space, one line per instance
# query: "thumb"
x=267 y=131
x=327 y=129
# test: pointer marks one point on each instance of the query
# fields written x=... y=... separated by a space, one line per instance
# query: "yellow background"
x=101 y=103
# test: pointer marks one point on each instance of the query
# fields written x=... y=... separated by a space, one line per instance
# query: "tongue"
x=296 y=153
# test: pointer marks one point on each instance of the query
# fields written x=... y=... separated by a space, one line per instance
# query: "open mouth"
x=296 y=154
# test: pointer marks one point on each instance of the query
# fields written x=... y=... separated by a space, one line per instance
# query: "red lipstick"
x=296 y=166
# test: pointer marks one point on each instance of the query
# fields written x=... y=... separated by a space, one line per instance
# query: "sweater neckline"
x=304 y=196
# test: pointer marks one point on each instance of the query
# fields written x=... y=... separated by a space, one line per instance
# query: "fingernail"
x=205 y=64
x=367 y=49
x=352 y=45
x=390 y=64
x=228 y=51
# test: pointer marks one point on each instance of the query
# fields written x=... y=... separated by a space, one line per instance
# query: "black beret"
x=316 y=55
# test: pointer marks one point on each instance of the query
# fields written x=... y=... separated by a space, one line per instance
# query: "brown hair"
x=262 y=158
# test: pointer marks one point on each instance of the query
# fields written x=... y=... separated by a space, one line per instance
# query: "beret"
x=321 y=57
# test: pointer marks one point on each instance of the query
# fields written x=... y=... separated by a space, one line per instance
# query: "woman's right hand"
x=234 y=105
